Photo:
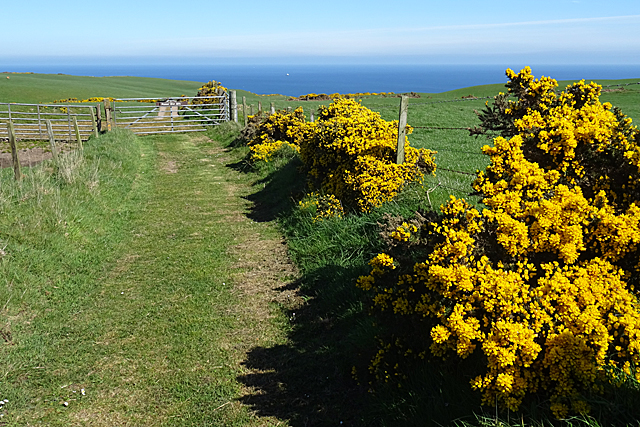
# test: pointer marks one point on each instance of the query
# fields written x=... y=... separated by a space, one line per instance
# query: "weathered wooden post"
x=94 y=122
x=77 y=131
x=244 y=109
x=107 y=114
x=402 y=128
x=273 y=108
x=251 y=110
x=289 y=110
x=234 y=106
x=112 y=106
x=52 y=142
x=99 y=117
x=14 y=152
x=312 y=117
x=259 y=107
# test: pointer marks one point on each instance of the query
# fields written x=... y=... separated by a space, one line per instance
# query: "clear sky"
x=407 y=31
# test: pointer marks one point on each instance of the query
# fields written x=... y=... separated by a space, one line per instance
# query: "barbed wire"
x=440 y=184
x=454 y=100
x=622 y=84
x=455 y=171
x=474 y=153
x=440 y=128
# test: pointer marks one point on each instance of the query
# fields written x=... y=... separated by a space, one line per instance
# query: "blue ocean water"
x=303 y=79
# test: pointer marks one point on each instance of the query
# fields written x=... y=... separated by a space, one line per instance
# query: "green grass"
x=119 y=278
x=44 y=88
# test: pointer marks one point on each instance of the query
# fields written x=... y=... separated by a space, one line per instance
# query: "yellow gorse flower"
x=542 y=280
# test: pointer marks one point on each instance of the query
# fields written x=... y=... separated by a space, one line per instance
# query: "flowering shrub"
x=212 y=88
x=352 y=153
x=322 y=206
x=325 y=97
x=280 y=129
x=540 y=284
x=76 y=100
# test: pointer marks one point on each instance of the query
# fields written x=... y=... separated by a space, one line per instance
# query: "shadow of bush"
x=308 y=380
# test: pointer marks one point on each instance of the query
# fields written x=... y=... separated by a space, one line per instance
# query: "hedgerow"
x=540 y=283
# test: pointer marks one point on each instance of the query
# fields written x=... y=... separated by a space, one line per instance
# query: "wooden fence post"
x=52 y=142
x=312 y=117
x=112 y=110
x=259 y=107
x=289 y=110
x=402 y=128
x=14 y=151
x=251 y=110
x=77 y=131
x=107 y=114
x=234 y=106
x=99 y=117
x=273 y=108
x=94 y=122
x=244 y=109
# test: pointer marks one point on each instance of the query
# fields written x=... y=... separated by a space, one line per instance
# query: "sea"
x=296 y=80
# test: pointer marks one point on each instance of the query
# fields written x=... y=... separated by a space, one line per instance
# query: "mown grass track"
x=154 y=326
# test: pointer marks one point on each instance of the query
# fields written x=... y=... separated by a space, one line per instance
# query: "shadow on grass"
x=308 y=381
x=277 y=191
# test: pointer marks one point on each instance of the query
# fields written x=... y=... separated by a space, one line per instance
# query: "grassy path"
x=160 y=336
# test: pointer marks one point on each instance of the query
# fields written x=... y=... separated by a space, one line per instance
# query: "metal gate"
x=171 y=114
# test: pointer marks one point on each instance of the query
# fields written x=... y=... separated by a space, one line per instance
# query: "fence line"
x=29 y=121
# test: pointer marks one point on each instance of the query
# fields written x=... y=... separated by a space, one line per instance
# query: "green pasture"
x=44 y=88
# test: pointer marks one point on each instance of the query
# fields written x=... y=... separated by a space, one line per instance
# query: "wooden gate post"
x=244 y=109
x=94 y=122
x=107 y=114
x=99 y=117
x=77 y=131
x=234 y=106
x=14 y=152
x=402 y=128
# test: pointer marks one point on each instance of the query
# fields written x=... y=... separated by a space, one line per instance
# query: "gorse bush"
x=540 y=285
x=322 y=206
x=267 y=134
x=352 y=155
x=211 y=88
x=349 y=153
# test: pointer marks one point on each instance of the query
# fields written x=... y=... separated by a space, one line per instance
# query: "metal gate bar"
x=171 y=114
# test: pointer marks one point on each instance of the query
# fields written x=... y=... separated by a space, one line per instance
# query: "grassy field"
x=44 y=88
x=146 y=283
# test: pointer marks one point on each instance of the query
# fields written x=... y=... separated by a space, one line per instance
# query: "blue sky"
x=196 y=31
